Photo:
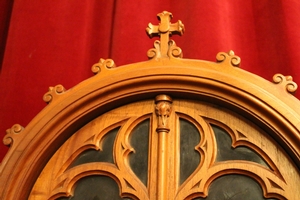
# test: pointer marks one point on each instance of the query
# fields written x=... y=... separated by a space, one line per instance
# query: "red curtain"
x=50 y=42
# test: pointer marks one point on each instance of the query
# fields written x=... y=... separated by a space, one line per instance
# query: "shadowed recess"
x=139 y=141
x=189 y=157
x=92 y=155
x=226 y=152
x=234 y=187
x=95 y=188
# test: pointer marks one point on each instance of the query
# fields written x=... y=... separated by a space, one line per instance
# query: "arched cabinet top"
x=269 y=104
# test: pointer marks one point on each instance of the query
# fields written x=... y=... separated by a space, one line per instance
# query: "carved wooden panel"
x=93 y=142
x=169 y=149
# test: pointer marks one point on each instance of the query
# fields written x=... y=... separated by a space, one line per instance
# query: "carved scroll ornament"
x=53 y=92
x=286 y=82
x=229 y=57
x=103 y=64
x=12 y=134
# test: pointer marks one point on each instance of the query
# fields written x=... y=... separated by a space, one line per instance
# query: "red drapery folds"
x=57 y=42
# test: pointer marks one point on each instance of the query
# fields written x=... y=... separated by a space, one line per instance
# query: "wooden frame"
x=271 y=105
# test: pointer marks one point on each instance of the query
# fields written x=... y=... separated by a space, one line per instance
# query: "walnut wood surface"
x=270 y=107
x=57 y=180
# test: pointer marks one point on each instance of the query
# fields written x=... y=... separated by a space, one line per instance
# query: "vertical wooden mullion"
x=173 y=156
x=152 y=175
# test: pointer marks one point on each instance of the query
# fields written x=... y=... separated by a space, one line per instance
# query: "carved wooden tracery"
x=172 y=102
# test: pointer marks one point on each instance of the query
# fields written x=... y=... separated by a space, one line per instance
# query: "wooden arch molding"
x=270 y=104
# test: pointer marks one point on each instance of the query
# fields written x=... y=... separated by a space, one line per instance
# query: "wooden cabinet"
x=194 y=150
x=167 y=128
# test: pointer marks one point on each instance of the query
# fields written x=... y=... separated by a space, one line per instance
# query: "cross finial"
x=164 y=30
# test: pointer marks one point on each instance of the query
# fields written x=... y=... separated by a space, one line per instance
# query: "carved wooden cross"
x=164 y=30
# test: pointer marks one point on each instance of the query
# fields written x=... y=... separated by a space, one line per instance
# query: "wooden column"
x=163 y=110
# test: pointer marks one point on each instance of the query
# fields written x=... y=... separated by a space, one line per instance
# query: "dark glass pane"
x=95 y=188
x=106 y=155
x=234 y=187
x=138 y=160
x=189 y=157
x=227 y=152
